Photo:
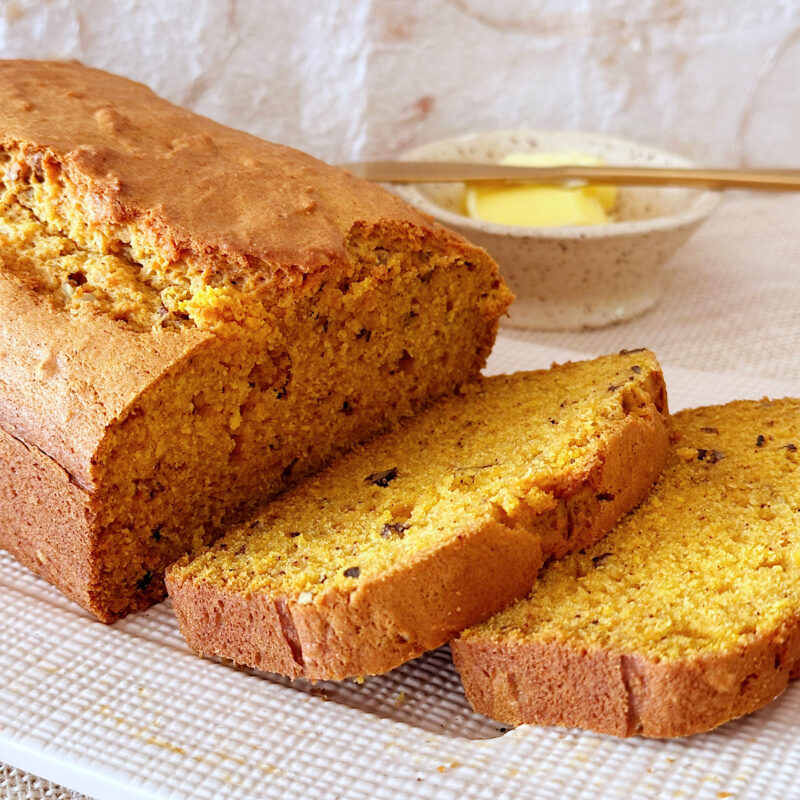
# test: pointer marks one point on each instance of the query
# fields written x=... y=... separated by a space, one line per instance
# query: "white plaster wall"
x=343 y=79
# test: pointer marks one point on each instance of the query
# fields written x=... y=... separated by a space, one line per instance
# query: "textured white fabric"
x=126 y=711
x=731 y=297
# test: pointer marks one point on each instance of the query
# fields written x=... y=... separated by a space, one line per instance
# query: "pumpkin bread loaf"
x=192 y=319
x=685 y=616
x=428 y=529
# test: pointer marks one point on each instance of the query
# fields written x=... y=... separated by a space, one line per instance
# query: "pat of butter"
x=540 y=205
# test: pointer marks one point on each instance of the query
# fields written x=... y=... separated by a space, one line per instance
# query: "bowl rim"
x=700 y=207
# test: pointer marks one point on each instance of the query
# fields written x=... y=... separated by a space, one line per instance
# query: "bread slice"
x=431 y=528
x=192 y=319
x=685 y=616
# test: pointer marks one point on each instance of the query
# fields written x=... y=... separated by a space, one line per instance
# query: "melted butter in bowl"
x=572 y=259
x=538 y=205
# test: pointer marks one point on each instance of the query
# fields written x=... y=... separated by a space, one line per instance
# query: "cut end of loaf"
x=256 y=413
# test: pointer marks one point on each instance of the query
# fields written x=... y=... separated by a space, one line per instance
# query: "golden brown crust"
x=45 y=521
x=63 y=382
x=203 y=188
x=420 y=605
x=385 y=622
x=550 y=683
x=49 y=524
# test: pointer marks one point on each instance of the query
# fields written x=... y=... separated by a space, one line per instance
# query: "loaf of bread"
x=684 y=616
x=190 y=320
x=428 y=529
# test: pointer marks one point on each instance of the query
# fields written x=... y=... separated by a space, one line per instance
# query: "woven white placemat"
x=127 y=712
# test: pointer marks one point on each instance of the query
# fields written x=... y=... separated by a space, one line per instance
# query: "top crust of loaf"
x=200 y=186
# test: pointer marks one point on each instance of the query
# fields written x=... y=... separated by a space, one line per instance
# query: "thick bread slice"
x=431 y=528
x=683 y=617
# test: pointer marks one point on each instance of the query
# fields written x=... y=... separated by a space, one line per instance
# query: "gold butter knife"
x=775 y=180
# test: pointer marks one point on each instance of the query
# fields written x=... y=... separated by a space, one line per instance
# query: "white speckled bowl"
x=571 y=276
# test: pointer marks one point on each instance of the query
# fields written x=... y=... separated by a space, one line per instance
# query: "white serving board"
x=128 y=712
